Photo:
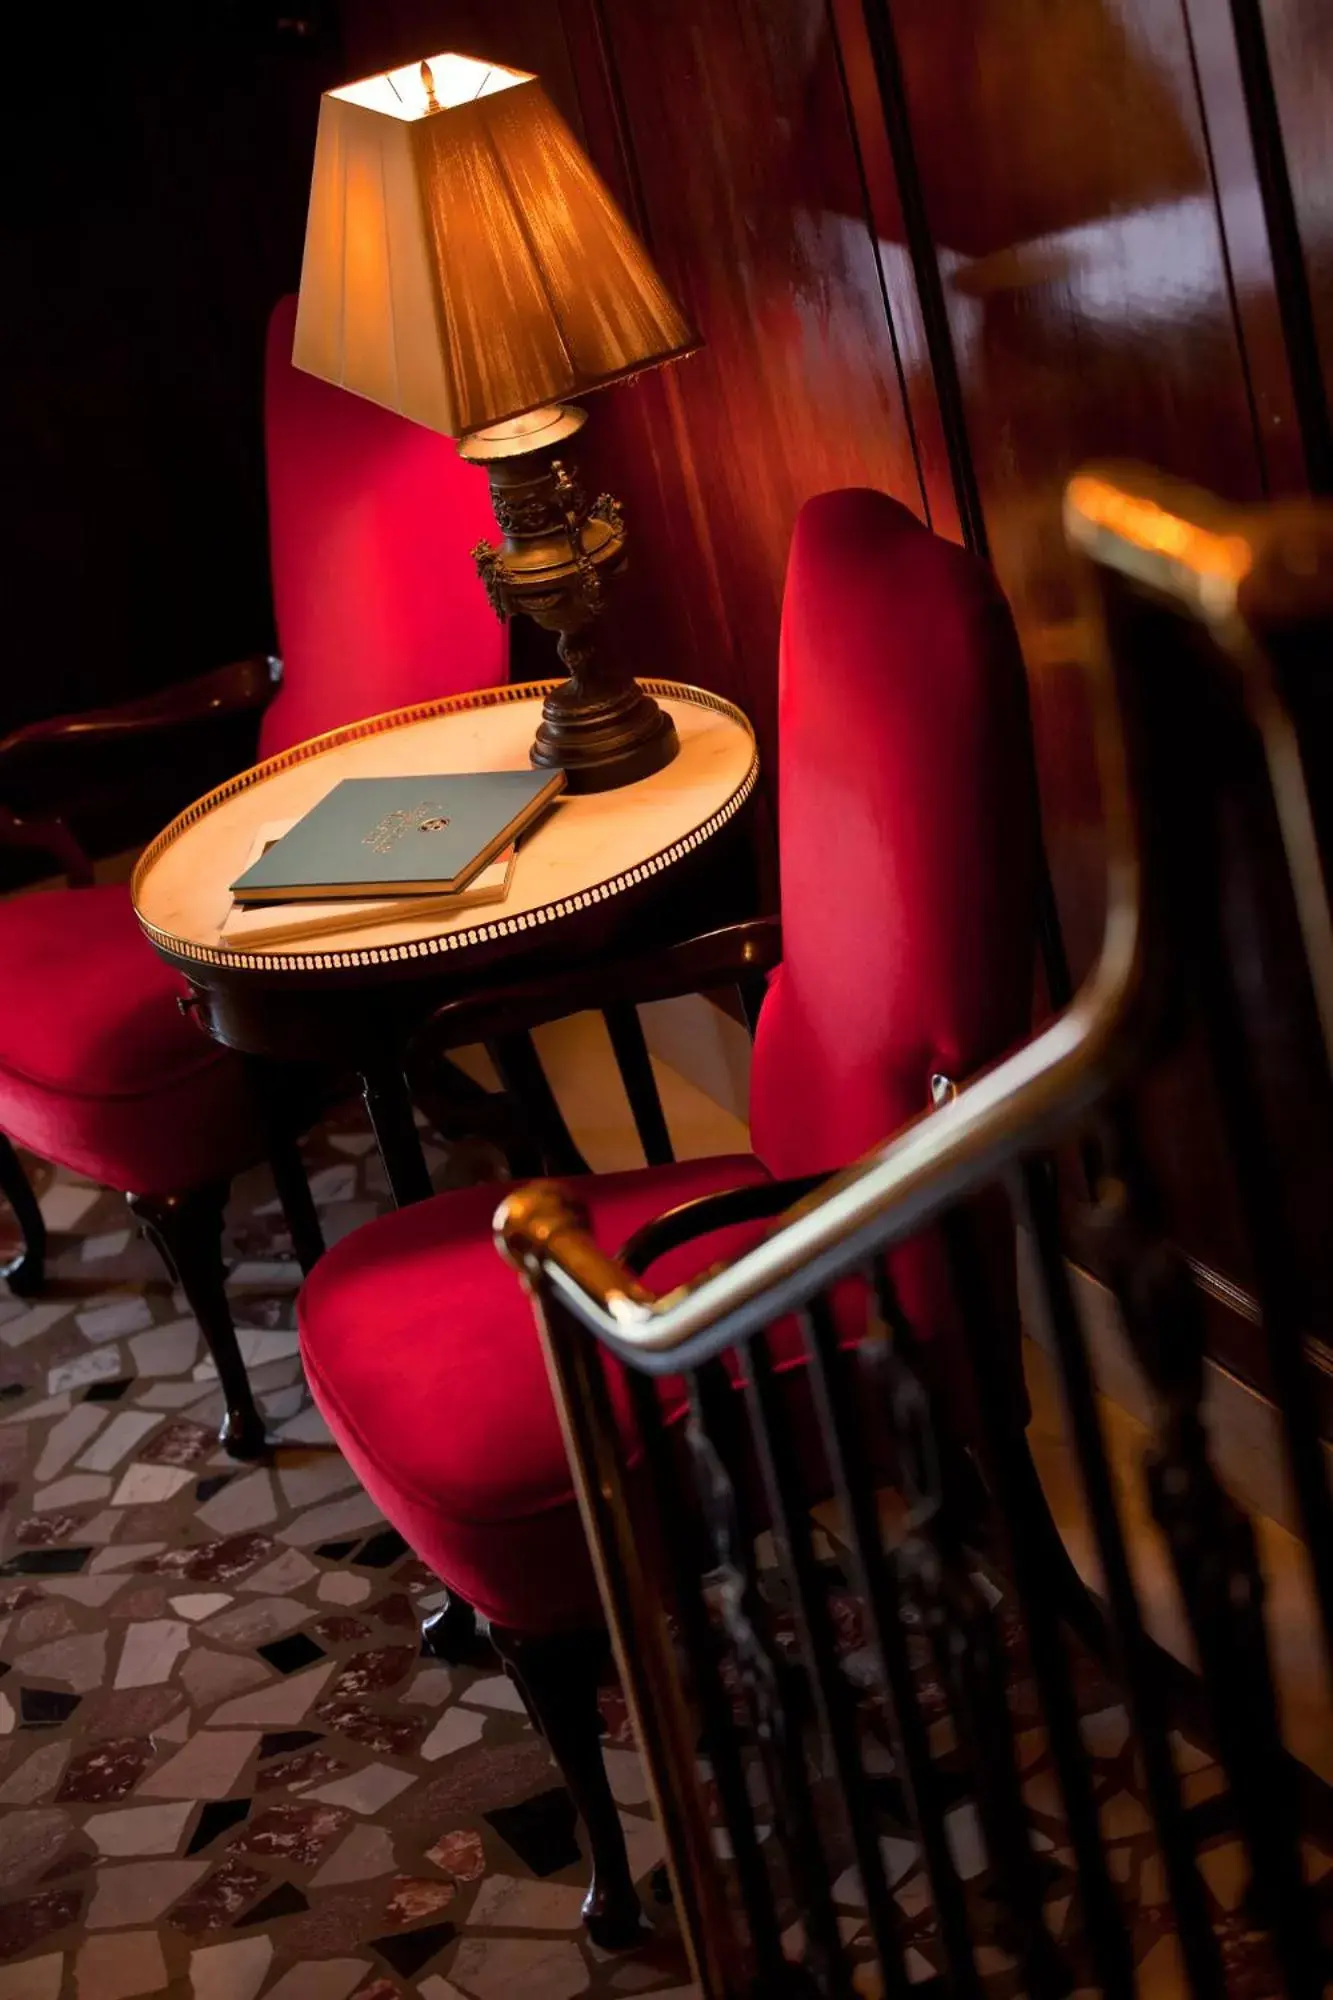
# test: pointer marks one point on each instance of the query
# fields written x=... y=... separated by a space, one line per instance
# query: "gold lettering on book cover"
x=386 y=833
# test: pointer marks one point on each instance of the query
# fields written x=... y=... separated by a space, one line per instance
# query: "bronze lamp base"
x=557 y=556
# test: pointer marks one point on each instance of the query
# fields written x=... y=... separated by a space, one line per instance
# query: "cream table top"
x=589 y=849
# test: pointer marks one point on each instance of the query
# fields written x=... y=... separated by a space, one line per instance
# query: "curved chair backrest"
x=371 y=524
x=908 y=844
x=908 y=834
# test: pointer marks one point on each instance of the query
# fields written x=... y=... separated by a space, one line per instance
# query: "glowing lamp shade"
x=463 y=261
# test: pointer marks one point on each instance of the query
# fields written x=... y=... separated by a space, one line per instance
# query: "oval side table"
x=591 y=872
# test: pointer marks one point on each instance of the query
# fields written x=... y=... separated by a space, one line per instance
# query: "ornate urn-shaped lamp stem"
x=557 y=557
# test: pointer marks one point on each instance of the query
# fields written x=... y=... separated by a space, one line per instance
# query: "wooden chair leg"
x=286 y=1106
x=558 y=1675
x=520 y=1071
x=636 y=1073
x=25 y=1274
x=187 y=1230
x=450 y=1634
x=460 y=1108
x=750 y=992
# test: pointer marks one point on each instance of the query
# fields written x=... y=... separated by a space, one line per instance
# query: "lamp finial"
x=428 y=84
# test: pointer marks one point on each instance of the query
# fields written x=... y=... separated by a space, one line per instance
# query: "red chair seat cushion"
x=99 y=1070
x=423 y=1355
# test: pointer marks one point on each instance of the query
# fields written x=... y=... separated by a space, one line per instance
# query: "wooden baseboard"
x=1244 y=1428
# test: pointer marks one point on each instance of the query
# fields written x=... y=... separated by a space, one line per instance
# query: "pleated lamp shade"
x=463 y=261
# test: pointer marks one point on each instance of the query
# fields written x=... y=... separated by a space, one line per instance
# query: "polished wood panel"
x=888 y=172
x=1226 y=99
x=1090 y=177
x=1064 y=168
x=727 y=130
x=1299 y=35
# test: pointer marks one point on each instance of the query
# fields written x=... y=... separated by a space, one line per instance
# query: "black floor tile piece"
x=381 y=1550
x=279 y=1741
x=410 y=1950
x=107 y=1392
x=298 y=1650
x=213 y=1484
x=335 y=1551
x=45 y=1562
x=216 y=1817
x=286 y=1901
x=43 y=1708
x=540 y=1830
x=8 y=1391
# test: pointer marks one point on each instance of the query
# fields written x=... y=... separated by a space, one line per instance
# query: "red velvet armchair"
x=371 y=521
x=905 y=954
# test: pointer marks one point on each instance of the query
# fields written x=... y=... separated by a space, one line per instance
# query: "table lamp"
x=465 y=266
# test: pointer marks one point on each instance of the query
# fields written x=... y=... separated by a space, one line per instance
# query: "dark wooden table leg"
x=279 y=1109
x=384 y=1087
x=298 y=1206
x=187 y=1230
x=26 y=1273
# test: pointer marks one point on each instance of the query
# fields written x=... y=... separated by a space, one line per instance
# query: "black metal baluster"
x=840 y=1419
x=720 y=1741
x=770 y=1686
x=972 y=1651
x=780 y=1467
x=1104 y=1922
x=1143 y=1692
x=1215 y=1556
x=649 y=1668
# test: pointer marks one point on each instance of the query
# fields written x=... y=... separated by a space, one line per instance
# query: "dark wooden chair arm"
x=241 y=686
x=708 y=1212
x=48 y=835
x=737 y=955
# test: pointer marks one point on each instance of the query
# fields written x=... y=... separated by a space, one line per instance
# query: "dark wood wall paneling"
x=726 y=131
x=1102 y=226
x=1298 y=35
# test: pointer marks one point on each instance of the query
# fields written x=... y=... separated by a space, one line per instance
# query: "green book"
x=398 y=836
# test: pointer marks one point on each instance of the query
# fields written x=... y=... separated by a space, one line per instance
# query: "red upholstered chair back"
x=371 y=521
x=908 y=834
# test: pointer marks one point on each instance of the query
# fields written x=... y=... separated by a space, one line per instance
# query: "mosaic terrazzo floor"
x=225 y=1770
x=226 y=1773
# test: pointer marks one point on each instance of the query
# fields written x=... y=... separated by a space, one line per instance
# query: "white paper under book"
x=266 y=926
